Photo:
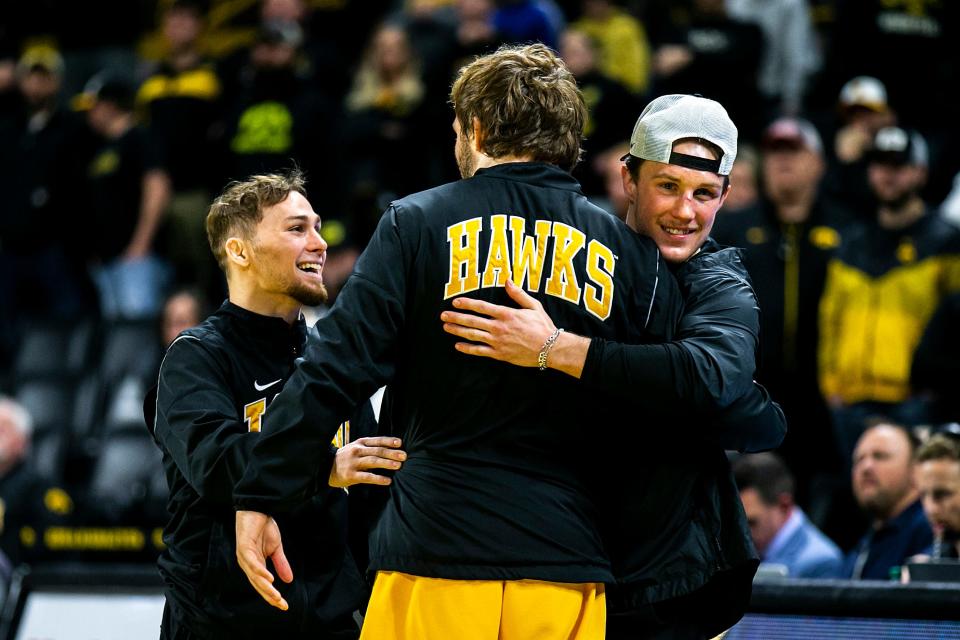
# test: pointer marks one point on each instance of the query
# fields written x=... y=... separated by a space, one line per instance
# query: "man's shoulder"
x=713 y=262
x=208 y=337
x=815 y=544
x=424 y=200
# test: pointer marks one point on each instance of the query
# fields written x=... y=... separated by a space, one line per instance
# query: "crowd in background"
x=120 y=121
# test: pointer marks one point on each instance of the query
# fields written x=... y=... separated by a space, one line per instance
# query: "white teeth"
x=676 y=232
x=309 y=266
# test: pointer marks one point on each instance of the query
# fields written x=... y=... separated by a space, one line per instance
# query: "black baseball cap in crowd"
x=670 y=118
x=103 y=87
x=281 y=32
x=898 y=147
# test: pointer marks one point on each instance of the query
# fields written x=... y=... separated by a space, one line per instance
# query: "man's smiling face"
x=674 y=205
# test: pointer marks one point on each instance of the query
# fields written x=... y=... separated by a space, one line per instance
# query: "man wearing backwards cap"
x=675 y=530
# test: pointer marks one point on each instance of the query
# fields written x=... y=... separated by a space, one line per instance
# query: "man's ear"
x=238 y=253
x=723 y=196
x=477 y=138
x=629 y=186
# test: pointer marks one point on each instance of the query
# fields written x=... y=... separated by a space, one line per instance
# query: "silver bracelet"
x=542 y=358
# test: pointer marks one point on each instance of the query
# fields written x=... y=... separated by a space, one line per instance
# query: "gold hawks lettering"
x=515 y=254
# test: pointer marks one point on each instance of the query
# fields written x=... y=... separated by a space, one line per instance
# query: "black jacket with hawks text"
x=214 y=401
x=495 y=485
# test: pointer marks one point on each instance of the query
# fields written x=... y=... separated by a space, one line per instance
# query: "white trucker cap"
x=675 y=117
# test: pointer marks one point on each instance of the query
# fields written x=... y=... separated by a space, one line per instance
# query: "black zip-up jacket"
x=674 y=522
x=495 y=483
x=214 y=401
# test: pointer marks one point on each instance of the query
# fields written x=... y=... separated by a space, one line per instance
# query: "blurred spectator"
x=788 y=239
x=476 y=33
x=18 y=484
x=180 y=98
x=781 y=531
x=41 y=170
x=697 y=54
x=935 y=371
x=950 y=209
x=129 y=191
x=907 y=46
x=622 y=43
x=386 y=119
x=938 y=478
x=609 y=164
x=611 y=108
x=184 y=308
x=862 y=110
x=27 y=501
x=277 y=115
x=520 y=21
x=445 y=36
x=885 y=488
x=9 y=98
x=882 y=287
x=791 y=54
x=743 y=178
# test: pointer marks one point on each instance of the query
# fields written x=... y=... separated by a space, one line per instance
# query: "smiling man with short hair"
x=214 y=395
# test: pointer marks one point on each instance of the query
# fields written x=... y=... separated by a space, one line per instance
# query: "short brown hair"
x=527 y=102
x=766 y=474
x=939 y=447
x=239 y=209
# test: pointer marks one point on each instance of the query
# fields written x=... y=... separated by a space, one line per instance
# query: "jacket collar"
x=540 y=173
x=710 y=255
x=268 y=329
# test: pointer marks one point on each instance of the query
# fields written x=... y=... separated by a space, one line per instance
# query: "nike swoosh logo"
x=261 y=387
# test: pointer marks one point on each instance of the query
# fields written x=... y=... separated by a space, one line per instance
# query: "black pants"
x=699 y=615
x=626 y=628
x=173 y=629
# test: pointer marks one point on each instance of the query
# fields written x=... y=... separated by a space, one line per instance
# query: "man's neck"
x=257 y=302
x=184 y=59
x=894 y=218
x=794 y=207
x=485 y=162
x=898 y=509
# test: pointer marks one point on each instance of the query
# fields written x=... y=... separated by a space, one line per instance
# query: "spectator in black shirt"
x=129 y=191
x=41 y=171
x=698 y=57
x=610 y=105
x=181 y=101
